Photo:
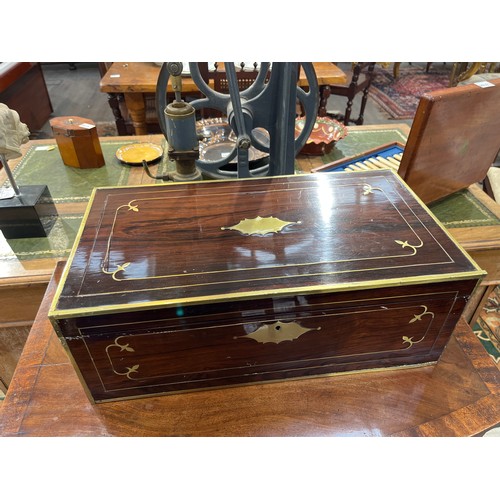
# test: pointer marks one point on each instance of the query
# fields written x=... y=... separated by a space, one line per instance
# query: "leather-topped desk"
x=136 y=79
x=458 y=396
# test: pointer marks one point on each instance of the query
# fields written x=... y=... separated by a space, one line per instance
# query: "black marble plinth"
x=29 y=215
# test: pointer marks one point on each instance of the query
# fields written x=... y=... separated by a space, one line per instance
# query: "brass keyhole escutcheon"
x=278 y=332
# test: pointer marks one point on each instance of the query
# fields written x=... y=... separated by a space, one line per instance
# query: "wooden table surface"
x=458 y=396
x=143 y=76
x=134 y=79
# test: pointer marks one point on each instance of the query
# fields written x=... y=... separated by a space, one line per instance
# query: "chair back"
x=246 y=74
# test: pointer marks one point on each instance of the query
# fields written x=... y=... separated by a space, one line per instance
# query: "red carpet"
x=399 y=97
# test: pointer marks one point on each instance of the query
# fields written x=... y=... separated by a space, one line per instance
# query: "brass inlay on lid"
x=260 y=225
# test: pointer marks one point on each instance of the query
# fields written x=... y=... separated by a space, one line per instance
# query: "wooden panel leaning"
x=190 y=286
x=453 y=141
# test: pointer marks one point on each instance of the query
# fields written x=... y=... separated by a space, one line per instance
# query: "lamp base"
x=29 y=215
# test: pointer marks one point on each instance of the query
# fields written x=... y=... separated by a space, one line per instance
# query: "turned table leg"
x=324 y=94
x=114 y=104
x=137 y=109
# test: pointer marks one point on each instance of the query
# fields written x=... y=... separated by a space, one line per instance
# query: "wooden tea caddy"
x=190 y=286
x=77 y=141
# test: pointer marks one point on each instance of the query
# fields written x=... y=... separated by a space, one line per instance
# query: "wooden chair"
x=245 y=76
x=464 y=73
x=361 y=80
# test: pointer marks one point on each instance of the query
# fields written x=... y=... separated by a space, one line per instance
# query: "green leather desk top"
x=71 y=185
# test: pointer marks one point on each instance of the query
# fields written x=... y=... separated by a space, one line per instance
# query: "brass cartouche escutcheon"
x=278 y=332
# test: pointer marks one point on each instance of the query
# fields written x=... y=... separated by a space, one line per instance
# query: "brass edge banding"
x=62 y=281
x=73 y=362
x=284 y=292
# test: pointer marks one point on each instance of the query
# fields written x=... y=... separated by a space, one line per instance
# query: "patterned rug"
x=487 y=327
x=400 y=97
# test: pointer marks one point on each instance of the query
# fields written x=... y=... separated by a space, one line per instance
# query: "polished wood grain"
x=356 y=301
x=215 y=345
x=327 y=242
x=453 y=140
x=458 y=396
x=137 y=79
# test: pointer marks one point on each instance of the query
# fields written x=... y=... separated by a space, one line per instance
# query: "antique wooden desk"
x=25 y=273
x=136 y=79
x=459 y=396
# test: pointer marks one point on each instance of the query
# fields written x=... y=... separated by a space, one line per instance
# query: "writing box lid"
x=190 y=243
x=453 y=140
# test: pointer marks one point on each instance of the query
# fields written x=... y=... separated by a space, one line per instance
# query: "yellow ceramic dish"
x=134 y=154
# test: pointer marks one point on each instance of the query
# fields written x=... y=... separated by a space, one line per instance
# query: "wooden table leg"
x=137 y=109
x=324 y=94
x=114 y=104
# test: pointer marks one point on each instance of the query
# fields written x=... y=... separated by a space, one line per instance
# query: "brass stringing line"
x=450 y=260
x=121 y=267
x=365 y=185
x=126 y=264
x=93 y=362
x=108 y=246
x=390 y=282
x=417 y=317
x=458 y=245
x=299 y=308
x=134 y=369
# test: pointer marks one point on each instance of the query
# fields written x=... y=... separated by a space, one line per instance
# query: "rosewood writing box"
x=189 y=286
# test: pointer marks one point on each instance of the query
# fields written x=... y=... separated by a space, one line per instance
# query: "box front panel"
x=273 y=341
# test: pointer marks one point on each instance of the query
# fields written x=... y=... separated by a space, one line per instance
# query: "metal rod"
x=9 y=175
x=234 y=93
